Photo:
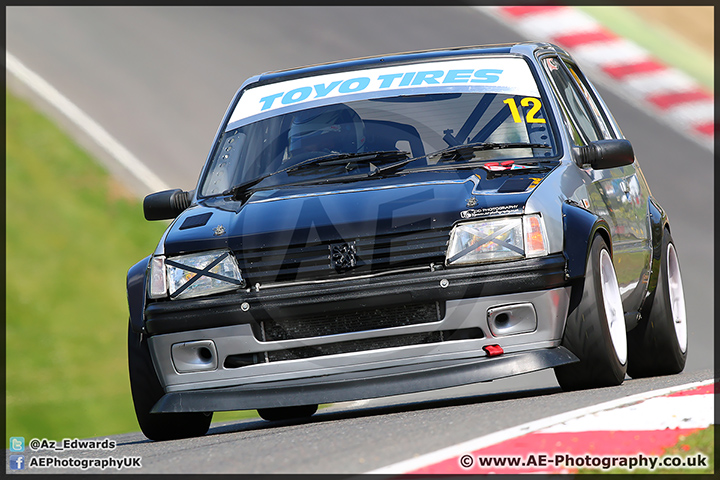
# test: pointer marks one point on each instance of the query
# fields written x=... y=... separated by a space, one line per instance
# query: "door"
x=618 y=195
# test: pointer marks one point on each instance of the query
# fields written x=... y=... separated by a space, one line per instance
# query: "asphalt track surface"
x=159 y=80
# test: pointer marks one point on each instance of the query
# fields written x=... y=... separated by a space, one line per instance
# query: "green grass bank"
x=71 y=234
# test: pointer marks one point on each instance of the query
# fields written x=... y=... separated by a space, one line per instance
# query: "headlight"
x=497 y=239
x=194 y=275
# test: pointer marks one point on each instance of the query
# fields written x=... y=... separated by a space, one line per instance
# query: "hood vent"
x=196 y=221
x=515 y=185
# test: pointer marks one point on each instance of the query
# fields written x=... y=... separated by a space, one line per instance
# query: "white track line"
x=91 y=128
x=657 y=413
x=517 y=431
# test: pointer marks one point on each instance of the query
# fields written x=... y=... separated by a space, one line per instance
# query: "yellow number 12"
x=525 y=102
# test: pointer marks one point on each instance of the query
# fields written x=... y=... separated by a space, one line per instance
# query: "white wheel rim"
x=612 y=301
x=677 y=297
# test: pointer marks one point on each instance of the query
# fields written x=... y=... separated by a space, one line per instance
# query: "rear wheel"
x=146 y=391
x=595 y=327
x=287 y=413
x=658 y=346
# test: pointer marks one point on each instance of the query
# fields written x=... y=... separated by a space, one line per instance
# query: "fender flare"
x=658 y=223
x=136 y=288
x=579 y=229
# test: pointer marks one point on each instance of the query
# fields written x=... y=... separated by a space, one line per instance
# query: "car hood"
x=346 y=211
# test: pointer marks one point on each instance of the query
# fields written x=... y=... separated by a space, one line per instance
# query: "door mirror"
x=166 y=205
x=606 y=154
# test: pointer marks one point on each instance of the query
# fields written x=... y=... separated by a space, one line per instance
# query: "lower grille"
x=319 y=325
x=355 y=346
x=322 y=325
x=374 y=344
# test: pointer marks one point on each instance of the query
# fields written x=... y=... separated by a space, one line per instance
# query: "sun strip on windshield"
x=492 y=74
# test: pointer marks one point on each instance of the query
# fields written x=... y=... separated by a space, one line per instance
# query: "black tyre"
x=595 y=327
x=146 y=391
x=658 y=345
x=287 y=413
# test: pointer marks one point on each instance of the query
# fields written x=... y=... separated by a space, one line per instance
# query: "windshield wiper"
x=243 y=187
x=463 y=150
x=339 y=159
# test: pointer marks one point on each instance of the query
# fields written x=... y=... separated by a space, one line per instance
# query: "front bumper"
x=348 y=386
x=296 y=368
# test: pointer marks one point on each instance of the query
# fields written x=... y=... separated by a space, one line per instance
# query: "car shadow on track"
x=370 y=411
x=403 y=404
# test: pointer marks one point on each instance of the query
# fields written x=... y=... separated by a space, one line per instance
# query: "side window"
x=600 y=119
x=580 y=114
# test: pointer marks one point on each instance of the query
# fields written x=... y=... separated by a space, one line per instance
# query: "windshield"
x=334 y=141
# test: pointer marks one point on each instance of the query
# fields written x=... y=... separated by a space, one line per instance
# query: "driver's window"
x=581 y=82
x=580 y=115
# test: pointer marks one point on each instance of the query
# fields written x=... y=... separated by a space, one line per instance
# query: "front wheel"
x=595 y=327
x=658 y=345
x=146 y=391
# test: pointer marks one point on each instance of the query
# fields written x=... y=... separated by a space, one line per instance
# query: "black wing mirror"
x=606 y=154
x=166 y=205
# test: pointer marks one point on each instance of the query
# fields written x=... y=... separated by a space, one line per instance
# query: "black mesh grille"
x=355 y=346
x=374 y=344
x=373 y=254
x=319 y=325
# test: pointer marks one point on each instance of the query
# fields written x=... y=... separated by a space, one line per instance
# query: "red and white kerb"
x=668 y=93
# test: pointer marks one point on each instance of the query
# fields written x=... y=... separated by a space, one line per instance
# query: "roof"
x=406 y=57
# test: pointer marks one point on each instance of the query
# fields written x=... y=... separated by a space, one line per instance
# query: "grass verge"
x=72 y=232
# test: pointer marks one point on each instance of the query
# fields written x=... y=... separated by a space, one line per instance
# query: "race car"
x=397 y=224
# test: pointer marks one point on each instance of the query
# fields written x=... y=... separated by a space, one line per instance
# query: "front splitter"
x=360 y=385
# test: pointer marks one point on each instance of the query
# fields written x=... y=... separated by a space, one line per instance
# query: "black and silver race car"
x=403 y=223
